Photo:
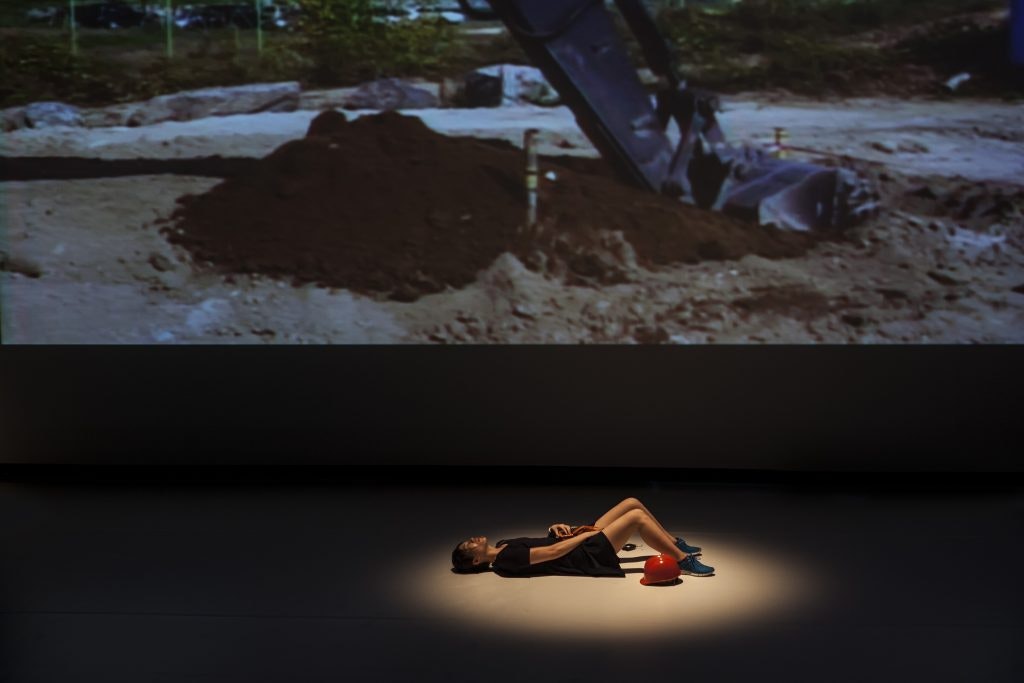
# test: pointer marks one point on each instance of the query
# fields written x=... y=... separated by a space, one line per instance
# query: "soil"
x=386 y=205
x=365 y=242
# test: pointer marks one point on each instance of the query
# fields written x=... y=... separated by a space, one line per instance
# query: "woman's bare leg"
x=624 y=507
x=620 y=530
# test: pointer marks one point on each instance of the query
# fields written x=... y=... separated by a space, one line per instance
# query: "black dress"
x=594 y=557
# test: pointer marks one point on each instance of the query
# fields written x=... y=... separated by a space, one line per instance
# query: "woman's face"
x=476 y=546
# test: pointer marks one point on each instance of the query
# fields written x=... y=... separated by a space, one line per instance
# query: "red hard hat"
x=660 y=569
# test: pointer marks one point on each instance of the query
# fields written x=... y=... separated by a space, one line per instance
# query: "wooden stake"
x=781 y=147
x=532 y=176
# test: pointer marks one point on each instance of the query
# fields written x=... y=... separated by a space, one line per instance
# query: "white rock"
x=49 y=114
x=956 y=81
x=390 y=94
x=207 y=314
x=12 y=118
x=197 y=104
x=520 y=85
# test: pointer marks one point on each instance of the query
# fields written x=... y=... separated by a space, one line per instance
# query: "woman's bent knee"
x=637 y=515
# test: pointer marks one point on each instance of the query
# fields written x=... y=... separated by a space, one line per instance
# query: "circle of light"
x=749 y=585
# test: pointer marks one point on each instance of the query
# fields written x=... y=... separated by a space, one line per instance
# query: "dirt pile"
x=383 y=204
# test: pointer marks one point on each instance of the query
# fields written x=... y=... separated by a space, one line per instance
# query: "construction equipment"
x=576 y=45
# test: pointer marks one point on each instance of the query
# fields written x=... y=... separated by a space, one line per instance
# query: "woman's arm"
x=557 y=550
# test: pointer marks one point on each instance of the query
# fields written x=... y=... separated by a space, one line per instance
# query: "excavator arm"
x=576 y=45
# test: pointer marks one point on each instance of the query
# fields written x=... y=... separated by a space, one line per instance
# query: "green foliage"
x=810 y=66
x=979 y=51
x=340 y=42
x=807 y=46
x=843 y=17
x=343 y=41
x=36 y=68
x=812 y=46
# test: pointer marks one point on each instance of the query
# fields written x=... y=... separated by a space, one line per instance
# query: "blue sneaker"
x=688 y=549
x=693 y=567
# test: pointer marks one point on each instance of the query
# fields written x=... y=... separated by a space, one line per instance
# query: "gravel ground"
x=83 y=261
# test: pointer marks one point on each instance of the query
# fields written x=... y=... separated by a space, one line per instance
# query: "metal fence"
x=170 y=15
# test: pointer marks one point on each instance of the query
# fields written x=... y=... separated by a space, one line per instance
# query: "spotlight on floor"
x=750 y=585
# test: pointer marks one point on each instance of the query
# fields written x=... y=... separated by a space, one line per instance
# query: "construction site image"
x=512 y=172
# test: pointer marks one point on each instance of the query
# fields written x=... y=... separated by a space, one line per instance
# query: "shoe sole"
x=689 y=573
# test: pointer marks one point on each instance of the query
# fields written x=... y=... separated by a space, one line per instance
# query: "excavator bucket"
x=576 y=45
x=790 y=195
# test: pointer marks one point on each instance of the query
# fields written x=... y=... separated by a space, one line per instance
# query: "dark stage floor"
x=288 y=582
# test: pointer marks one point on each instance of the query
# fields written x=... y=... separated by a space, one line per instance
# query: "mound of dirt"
x=385 y=205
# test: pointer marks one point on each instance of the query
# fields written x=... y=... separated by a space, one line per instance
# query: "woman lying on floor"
x=588 y=550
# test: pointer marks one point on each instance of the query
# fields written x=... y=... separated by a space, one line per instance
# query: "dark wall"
x=920 y=409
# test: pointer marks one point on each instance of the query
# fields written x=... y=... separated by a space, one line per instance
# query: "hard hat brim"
x=645 y=582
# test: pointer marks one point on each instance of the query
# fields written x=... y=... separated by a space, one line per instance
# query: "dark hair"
x=462 y=562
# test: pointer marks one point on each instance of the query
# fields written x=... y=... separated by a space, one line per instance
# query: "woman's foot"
x=693 y=567
x=688 y=549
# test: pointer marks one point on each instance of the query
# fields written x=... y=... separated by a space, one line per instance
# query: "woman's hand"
x=560 y=530
x=546 y=553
